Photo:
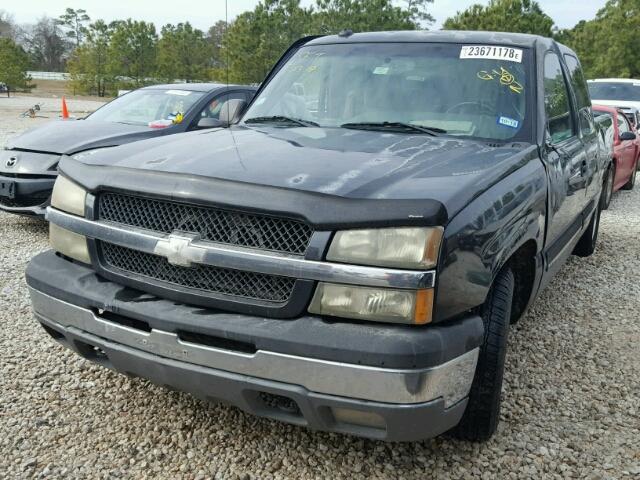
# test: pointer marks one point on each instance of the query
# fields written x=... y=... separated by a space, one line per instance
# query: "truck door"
x=627 y=158
x=587 y=131
x=566 y=161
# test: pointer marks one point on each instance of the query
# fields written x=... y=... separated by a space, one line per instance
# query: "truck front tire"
x=480 y=419
x=587 y=243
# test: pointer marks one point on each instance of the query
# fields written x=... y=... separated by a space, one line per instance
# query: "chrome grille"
x=214 y=224
x=204 y=278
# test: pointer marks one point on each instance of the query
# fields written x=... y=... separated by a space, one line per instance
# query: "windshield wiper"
x=433 y=131
x=282 y=119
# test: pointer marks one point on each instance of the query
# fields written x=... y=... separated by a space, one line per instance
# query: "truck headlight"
x=374 y=304
x=69 y=243
x=405 y=247
x=68 y=196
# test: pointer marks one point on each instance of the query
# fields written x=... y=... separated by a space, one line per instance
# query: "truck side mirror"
x=627 y=136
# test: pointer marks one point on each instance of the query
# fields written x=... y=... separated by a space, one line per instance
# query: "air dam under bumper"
x=371 y=401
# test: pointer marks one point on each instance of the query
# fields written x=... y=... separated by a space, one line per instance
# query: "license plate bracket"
x=8 y=189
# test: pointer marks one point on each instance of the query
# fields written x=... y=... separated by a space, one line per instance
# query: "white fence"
x=48 y=75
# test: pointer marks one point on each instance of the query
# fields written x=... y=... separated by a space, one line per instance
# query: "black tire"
x=480 y=419
x=607 y=187
x=632 y=179
x=587 y=243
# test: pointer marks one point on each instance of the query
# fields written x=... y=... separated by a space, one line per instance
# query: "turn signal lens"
x=69 y=243
x=373 y=304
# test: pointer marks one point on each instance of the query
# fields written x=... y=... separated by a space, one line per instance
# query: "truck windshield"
x=142 y=107
x=452 y=89
x=623 y=91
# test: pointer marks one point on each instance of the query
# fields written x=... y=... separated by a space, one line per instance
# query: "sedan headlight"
x=68 y=196
x=406 y=247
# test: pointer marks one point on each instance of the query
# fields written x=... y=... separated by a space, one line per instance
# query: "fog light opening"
x=280 y=403
x=358 y=418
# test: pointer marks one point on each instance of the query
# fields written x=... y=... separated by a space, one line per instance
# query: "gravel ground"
x=570 y=409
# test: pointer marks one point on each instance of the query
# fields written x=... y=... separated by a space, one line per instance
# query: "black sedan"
x=28 y=163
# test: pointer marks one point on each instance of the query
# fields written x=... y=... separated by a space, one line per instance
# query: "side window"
x=215 y=106
x=556 y=98
x=581 y=90
x=623 y=126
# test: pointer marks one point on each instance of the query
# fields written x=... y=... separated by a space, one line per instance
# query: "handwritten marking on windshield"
x=504 y=76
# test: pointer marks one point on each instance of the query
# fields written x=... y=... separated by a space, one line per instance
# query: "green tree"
x=255 y=40
x=132 y=51
x=88 y=66
x=215 y=36
x=332 y=16
x=522 y=16
x=14 y=63
x=608 y=45
x=183 y=52
x=74 y=22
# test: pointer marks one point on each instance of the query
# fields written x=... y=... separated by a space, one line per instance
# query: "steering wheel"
x=479 y=106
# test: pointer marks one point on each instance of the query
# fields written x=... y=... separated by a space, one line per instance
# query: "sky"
x=204 y=13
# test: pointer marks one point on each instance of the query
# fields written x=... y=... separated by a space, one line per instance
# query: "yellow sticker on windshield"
x=504 y=76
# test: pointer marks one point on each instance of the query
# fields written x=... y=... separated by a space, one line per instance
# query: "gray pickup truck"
x=350 y=254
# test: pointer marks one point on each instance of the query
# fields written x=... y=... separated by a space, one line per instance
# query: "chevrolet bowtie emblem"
x=177 y=249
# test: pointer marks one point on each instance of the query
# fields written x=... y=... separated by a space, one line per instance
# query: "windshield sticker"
x=504 y=76
x=381 y=70
x=508 y=122
x=182 y=93
x=493 y=52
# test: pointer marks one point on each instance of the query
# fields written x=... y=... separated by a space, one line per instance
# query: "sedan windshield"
x=623 y=91
x=413 y=88
x=142 y=107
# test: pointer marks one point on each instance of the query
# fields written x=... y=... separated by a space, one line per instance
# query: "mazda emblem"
x=12 y=161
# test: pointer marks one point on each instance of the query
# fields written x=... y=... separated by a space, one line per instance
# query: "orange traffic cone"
x=65 y=112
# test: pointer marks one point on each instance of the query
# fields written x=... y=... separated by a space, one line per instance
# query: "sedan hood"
x=69 y=136
x=340 y=162
x=616 y=103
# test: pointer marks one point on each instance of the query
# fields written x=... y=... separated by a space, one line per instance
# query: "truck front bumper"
x=329 y=378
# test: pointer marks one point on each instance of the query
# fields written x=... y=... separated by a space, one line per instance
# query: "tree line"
x=102 y=57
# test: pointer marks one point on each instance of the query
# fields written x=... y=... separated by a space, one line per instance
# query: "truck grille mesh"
x=199 y=277
x=214 y=224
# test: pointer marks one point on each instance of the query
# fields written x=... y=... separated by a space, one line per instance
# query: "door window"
x=215 y=106
x=556 y=96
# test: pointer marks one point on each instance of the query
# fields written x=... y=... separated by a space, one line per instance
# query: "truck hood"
x=72 y=136
x=340 y=162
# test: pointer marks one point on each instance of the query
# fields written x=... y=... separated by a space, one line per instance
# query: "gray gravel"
x=571 y=409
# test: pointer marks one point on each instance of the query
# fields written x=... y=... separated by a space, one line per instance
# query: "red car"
x=620 y=138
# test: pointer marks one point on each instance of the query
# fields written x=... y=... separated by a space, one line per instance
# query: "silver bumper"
x=450 y=381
